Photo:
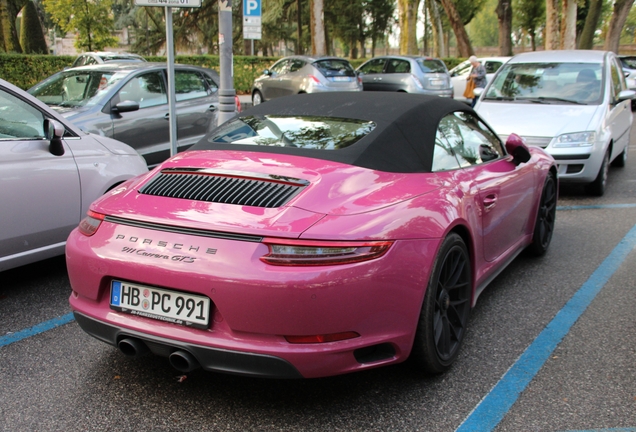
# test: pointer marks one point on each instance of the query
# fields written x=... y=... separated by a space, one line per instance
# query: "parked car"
x=129 y=102
x=459 y=74
x=629 y=69
x=313 y=235
x=50 y=171
x=90 y=58
x=574 y=104
x=302 y=74
x=409 y=74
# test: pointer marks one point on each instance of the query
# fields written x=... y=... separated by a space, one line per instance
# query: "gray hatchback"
x=302 y=74
x=129 y=102
x=409 y=74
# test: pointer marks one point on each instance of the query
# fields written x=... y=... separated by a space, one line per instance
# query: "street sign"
x=169 y=3
x=252 y=28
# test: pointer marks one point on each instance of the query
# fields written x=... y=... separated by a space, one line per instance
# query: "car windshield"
x=334 y=68
x=309 y=132
x=558 y=83
x=76 y=88
x=431 y=65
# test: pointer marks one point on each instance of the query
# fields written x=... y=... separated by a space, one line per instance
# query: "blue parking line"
x=36 y=329
x=595 y=207
x=496 y=404
x=629 y=429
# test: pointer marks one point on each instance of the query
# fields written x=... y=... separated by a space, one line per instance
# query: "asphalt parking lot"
x=550 y=347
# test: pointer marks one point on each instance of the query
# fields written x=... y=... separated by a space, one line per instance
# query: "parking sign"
x=252 y=19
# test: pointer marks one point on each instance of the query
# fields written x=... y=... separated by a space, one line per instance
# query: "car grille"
x=245 y=189
x=542 y=142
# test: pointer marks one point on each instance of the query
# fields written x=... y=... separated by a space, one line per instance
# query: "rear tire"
x=445 y=309
x=544 y=225
x=257 y=98
x=597 y=187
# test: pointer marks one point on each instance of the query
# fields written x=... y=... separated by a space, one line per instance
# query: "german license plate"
x=341 y=78
x=436 y=82
x=160 y=304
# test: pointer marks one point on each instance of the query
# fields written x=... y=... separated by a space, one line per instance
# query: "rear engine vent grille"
x=243 y=189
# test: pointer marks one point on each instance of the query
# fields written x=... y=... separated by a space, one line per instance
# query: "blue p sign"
x=252 y=8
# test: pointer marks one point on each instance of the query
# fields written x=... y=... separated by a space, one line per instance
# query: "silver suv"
x=406 y=74
x=302 y=74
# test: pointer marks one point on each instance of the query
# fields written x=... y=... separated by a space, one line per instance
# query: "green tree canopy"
x=92 y=20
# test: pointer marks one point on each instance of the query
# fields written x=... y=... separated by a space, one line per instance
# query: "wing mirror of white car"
x=626 y=94
x=126 y=106
x=631 y=83
x=516 y=147
x=478 y=91
x=54 y=131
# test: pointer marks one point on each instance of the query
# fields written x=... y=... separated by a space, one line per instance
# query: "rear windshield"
x=334 y=67
x=309 y=132
x=431 y=65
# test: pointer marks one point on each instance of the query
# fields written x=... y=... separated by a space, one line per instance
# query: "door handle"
x=167 y=116
x=490 y=201
x=212 y=108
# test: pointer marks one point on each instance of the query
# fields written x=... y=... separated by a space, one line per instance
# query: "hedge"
x=25 y=71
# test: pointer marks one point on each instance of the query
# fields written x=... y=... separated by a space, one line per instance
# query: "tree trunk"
x=504 y=15
x=552 y=24
x=438 y=30
x=408 y=26
x=463 y=43
x=318 y=38
x=619 y=16
x=591 y=23
x=568 y=25
x=9 y=10
x=533 y=39
x=299 y=24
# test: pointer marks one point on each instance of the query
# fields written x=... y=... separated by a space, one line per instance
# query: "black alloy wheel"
x=546 y=216
x=445 y=310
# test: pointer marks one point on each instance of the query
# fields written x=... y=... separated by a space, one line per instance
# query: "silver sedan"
x=50 y=172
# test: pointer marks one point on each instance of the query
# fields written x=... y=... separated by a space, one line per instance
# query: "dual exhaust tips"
x=181 y=360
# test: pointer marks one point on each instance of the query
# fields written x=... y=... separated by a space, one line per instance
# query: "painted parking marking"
x=595 y=207
x=630 y=429
x=496 y=404
x=36 y=329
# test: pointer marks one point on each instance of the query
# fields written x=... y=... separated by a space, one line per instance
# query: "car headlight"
x=577 y=139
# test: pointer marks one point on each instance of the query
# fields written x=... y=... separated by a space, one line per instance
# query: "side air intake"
x=243 y=189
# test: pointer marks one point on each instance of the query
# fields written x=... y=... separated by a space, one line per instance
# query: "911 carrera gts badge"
x=153 y=253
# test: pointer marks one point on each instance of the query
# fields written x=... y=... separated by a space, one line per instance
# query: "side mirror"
x=54 y=131
x=626 y=94
x=518 y=149
x=267 y=72
x=126 y=106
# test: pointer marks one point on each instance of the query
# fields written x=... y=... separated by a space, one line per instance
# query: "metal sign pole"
x=227 y=104
x=172 y=101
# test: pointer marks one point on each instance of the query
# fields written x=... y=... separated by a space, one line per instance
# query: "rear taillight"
x=89 y=225
x=284 y=252
x=315 y=80
x=323 y=338
x=417 y=81
x=237 y=101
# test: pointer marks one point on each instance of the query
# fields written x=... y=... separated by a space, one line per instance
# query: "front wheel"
x=597 y=187
x=444 y=316
x=544 y=225
x=257 y=98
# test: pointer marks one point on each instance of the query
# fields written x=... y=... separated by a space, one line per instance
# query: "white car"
x=574 y=104
x=460 y=73
x=50 y=172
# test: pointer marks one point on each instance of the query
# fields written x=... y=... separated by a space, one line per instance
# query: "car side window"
x=189 y=85
x=212 y=85
x=492 y=66
x=443 y=155
x=398 y=66
x=280 y=67
x=147 y=90
x=374 y=66
x=18 y=119
x=617 y=80
x=471 y=141
x=296 y=65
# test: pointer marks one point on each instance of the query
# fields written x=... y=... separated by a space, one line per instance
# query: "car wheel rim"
x=451 y=303
x=256 y=100
x=547 y=213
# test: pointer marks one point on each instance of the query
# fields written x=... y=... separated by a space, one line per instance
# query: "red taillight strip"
x=89 y=225
x=361 y=251
x=324 y=338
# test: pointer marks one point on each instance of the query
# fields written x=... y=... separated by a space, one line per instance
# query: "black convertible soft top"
x=402 y=141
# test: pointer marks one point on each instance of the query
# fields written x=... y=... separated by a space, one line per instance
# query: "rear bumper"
x=210 y=359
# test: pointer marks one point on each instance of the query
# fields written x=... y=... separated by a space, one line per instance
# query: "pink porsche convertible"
x=313 y=235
